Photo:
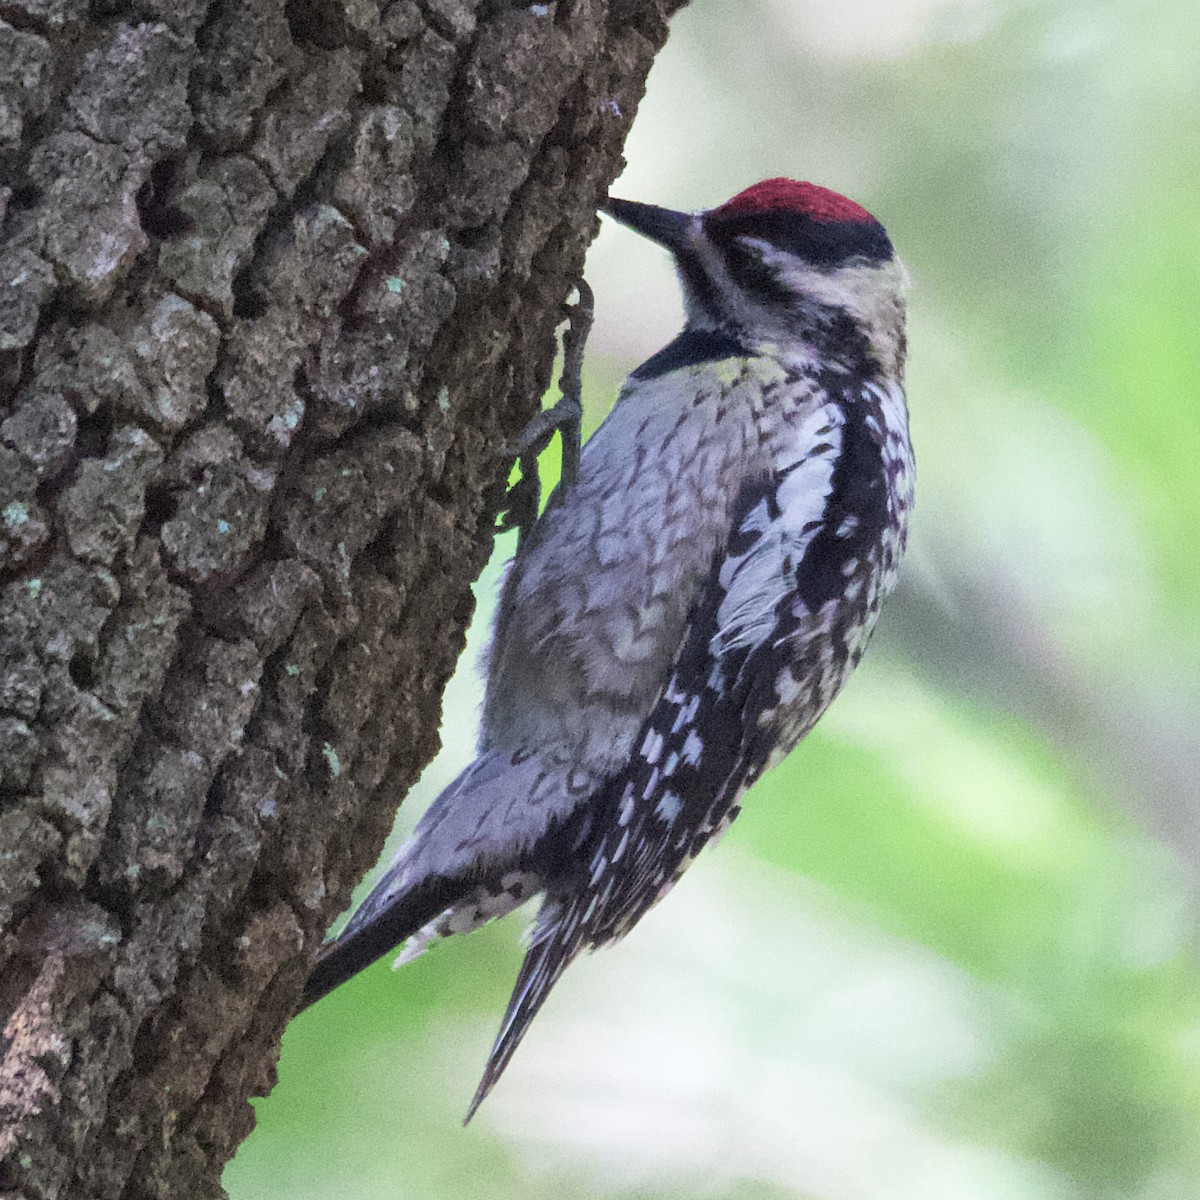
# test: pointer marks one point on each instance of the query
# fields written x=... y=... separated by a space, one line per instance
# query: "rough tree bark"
x=277 y=278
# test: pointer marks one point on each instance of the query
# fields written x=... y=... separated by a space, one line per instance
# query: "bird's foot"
x=523 y=500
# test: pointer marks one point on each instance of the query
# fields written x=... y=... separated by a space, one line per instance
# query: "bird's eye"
x=753 y=266
x=752 y=247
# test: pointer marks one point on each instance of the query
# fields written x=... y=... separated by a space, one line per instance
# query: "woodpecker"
x=679 y=618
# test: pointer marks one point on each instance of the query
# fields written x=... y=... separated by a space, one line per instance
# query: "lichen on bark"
x=277 y=281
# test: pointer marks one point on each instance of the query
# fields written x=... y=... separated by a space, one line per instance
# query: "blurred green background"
x=949 y=950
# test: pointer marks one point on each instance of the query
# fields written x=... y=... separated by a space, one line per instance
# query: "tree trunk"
x=278 y=279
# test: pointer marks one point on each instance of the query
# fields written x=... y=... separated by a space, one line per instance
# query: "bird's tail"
x=423 y=881
x=557 y=939
x=367 y=939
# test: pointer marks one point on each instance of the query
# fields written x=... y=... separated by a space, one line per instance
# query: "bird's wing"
x=753 y=648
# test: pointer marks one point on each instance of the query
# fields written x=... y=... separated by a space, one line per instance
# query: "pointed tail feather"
x=367 y=941
x=556 y=941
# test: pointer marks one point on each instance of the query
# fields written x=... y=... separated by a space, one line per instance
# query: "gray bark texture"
x=277 y=280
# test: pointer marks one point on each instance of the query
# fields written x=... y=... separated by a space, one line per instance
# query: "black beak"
x=661 y=225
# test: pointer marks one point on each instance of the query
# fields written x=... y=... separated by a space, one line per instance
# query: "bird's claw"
x=523 y=499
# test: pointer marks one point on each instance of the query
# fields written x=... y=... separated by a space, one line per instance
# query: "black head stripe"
x=759 y=279
x=821 y=243
x=696 y=282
